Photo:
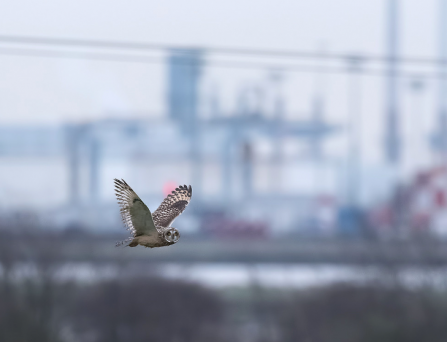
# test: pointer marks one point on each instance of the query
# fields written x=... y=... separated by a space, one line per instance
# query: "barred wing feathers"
x=172 y=206
x=135 y=214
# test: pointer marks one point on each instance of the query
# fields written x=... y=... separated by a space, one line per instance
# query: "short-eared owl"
x=151 y=230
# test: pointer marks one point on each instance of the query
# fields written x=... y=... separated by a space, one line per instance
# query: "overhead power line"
x=216 y=50
x=128 y=58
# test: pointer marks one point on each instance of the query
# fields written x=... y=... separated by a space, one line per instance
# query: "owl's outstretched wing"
x=172 y=206
x=135 y=214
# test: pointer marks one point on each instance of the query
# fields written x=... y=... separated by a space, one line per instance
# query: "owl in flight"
x=150 y=230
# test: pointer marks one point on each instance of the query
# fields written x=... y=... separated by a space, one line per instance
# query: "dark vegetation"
x=369 y=314
x=40 y=307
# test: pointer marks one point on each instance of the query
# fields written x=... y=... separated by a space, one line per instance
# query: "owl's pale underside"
x=146 y=228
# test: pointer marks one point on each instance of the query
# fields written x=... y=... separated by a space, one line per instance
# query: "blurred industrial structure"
x=244 y=164
x=217 y=154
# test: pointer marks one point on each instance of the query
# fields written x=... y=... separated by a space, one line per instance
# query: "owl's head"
x=171 y=235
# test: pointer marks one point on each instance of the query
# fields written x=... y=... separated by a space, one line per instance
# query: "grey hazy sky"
x=46 y=90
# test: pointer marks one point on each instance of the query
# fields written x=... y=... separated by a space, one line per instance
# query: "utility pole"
x=415 y=142
x=441 y=130
x=277 y=160
x=247 y=169
x=392 y=139
x=354 y=130
x=94 y=167
x=73 y=136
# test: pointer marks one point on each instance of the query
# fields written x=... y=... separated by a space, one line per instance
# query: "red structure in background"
x=218 y=225
x=418 y=207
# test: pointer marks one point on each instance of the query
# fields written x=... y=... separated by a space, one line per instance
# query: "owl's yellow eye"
x=169 y=234
x=176 y=234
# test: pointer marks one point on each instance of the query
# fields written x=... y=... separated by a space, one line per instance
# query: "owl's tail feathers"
x=124 y=243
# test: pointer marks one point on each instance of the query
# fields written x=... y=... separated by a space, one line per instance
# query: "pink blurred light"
x=168 y=187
